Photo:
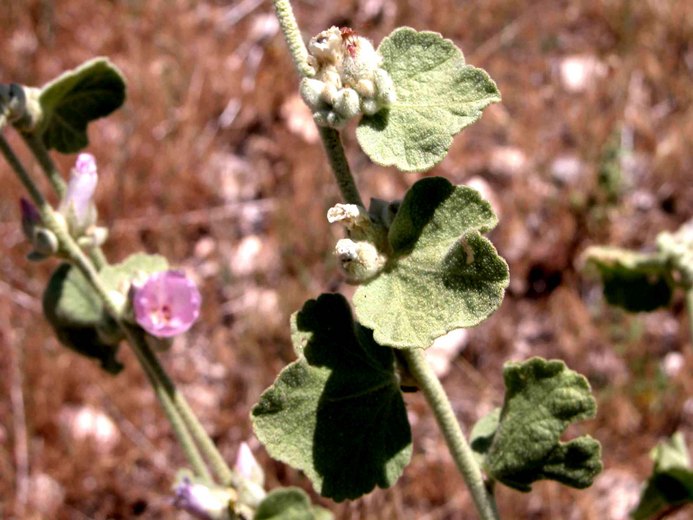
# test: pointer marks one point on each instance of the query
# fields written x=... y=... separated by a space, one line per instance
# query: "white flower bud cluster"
x=362 y=256
x=348 y=80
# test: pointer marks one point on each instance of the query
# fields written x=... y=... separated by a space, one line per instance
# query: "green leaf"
x=78 y=318
x=437 y=96
x=484 y=430
x=337 y=412
x=118 y=277
x=290 y=504
x=671 y=482
x=68 y=103
x=637 y=282
x=70 y=300
x=541 y=399
x=442 y=274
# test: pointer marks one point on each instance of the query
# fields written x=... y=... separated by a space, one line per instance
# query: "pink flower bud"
x=77 y=204
x=30 y=217
x=246 y=465
x=201 y=501
x=166 y=304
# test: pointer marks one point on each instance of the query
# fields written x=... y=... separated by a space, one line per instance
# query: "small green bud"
x=45 y=241
x=311 y=93
x=20 y=105
x=347 y=103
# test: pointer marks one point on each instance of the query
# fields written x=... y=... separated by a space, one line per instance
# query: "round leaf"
x=78 y=318
x=437 y=96
x=443 y=274
x=68 y=103
x=337 y=412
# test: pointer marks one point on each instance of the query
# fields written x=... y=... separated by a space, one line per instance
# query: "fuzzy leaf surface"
x=541 y=399
x=671 y=482
x=118 y=277
x=442 y=274
x=74 y=99
x=336 y=413
x=290 y=504
x=78 y=318
x=636 y=282
x=437 y=96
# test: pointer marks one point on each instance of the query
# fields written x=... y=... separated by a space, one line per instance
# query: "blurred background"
x=215 y=163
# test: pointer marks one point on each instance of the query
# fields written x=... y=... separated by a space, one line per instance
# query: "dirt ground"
x=214 y=162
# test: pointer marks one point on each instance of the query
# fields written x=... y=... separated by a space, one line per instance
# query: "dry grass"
x=212 y=159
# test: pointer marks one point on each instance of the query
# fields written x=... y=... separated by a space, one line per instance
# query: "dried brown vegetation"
x=213 y=162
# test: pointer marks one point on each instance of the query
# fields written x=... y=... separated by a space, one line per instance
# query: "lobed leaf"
x=542 y=398
x=437 y=96
x=336 y=413
x=442 y=274
x=74 y=99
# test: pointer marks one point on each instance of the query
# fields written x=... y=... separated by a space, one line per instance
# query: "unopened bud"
x=252 y=479
x=77 y=206
x=30 y=218
x=203 y=502
x=360 y=260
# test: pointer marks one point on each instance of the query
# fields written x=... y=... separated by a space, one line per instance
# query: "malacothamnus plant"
x=422 y=264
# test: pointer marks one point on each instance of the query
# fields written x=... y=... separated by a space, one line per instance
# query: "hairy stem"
x=185 y=424
x=457 y=444
x=340 y=166
x=330 y=137
x=293 y=38
x=162 y=390
x=219 y=466
x=43 y=157
x=163 y=393
x=21 y=172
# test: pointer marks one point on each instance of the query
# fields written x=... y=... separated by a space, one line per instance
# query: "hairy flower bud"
x=43 y=241
x=203 y=502
x=348 y=79
x=30 y=218
x=166 y=304
x=360 y=260
x=250 y=490
x=77 y=206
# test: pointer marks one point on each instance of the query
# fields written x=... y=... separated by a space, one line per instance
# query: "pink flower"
x=166 y=304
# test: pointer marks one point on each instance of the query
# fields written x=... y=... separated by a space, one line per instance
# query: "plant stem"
x=163 y=392
x=219 y=466
x=21 y=172
x=186 y=426
x=457 y=444
x=43 y=157
x=329 y=136
x=97 y=257
x=184 y=437
x=293 y=38
x=340 y=166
